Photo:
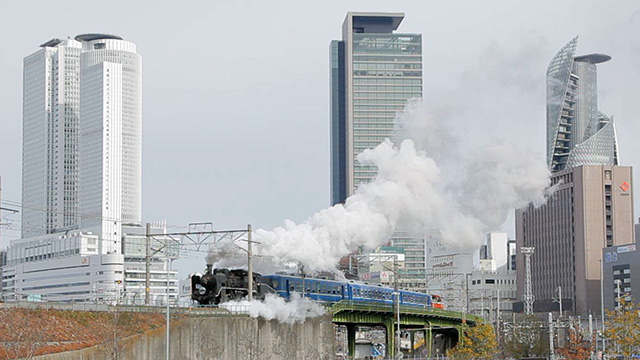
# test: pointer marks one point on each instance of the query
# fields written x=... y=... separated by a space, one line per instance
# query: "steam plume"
x=297 y=309
x=412 y=193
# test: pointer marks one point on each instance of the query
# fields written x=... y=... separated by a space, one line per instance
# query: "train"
x=217 y=286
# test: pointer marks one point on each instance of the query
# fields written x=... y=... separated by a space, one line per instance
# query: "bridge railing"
x=407 y=309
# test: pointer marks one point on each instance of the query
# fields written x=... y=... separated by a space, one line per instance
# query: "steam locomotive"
x=220 y=285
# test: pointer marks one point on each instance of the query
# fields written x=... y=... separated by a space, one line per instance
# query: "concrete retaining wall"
x=220 y=338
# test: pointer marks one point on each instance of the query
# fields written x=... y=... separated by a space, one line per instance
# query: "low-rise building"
x=621 y=274
x=476 y=281
x=74 y=266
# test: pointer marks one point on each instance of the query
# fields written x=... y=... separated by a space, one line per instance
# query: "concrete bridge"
x=440 y=328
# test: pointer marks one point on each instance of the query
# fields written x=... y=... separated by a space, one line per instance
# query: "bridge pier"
x=412 y=341
x=390 y=330
x=351 y=339
x=429 y=340
x=441 y=328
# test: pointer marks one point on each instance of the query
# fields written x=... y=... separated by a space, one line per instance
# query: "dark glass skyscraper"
x=374 y=71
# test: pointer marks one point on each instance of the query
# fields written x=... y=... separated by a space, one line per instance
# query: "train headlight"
x=201 y=289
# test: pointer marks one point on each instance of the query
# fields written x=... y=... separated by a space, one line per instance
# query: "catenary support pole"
x=249 y=262
x=168 y=313
x=147 y=265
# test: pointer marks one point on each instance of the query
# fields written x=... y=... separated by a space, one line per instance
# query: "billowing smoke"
x=470 y=195
x=449 y=171
x=225 y=249
x=297 y=309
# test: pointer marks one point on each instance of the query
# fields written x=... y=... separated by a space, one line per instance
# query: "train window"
x=274 y=283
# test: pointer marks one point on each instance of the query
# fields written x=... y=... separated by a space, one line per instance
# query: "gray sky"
x=236 y=93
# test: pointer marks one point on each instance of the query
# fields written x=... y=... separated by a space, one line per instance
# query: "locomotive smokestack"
x=209 y=269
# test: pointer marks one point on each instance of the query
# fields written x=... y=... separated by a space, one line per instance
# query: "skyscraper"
x=374 y=71
x=81 y=174
x=51 y=108
x=577 y=133
x=592 y=206
x=110 y=134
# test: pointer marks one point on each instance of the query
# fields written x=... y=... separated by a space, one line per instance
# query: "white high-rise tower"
x=110 y=135
x=82 y=132
x=82 y=147
x=50 y=138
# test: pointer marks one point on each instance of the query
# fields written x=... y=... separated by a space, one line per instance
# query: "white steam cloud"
x=468 y=196
x=297 y=309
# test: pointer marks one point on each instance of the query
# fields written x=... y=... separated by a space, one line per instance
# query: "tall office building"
x=100 y=76
x=577 y=133
x=110 y=135
x=374 y=72
x=51 y=108
x=82 y=175
x=592 y=207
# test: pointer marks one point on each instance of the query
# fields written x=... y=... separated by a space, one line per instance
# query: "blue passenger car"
x=335 y=290
x=315 y=289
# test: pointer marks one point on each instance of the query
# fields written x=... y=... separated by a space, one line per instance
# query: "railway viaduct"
x=210 y=333
x=434 y=324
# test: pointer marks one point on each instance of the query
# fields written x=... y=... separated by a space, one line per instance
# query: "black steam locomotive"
x=216 y=286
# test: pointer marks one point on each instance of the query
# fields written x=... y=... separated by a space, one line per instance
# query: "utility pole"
x=560 y=299
x=498 y=305
x=528 y=297
x=250 y=264
x=167 y=264
x=498 y=314
x=466 y=282
x=551 y=352
x=604 y=345
x=395 y=289
x=147 y=259
x=591 y=333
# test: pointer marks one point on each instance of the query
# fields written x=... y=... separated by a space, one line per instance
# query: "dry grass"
x=29 y=332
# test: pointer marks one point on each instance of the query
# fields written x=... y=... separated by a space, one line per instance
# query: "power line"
x=73 y=214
